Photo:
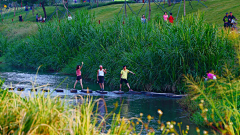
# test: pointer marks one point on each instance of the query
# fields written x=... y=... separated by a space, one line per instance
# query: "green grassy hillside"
x=213 y=14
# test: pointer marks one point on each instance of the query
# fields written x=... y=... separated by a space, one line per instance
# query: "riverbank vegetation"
x=214 y=103
x=39 y=113
x=158 y=52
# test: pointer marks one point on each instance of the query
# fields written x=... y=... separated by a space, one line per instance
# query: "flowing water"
x=132 y=105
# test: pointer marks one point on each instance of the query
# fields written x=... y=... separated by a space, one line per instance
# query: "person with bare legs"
x=100 y=77
x=79 y=75
x=123 y=77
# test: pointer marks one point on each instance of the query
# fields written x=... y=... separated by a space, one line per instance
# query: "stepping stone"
x=178 y=96
x=134 y=92
x=101 y=92
x=144 y=92
x=12 y=88
x=34 y=90
x=59 y=90
x=160 y=94
x=45 y=90
x=86 y=91
x=73 y=91
x=20 y=89
x=118 y=92
x=148 y=93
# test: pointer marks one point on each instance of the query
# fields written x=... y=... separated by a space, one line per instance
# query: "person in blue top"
x=36 y=17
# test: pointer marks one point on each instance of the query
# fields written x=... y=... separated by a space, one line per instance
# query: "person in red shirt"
x=170 y=18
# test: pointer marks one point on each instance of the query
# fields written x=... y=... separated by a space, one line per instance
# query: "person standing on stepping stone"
x=100 y=77
x=123 y=77
x=79 y=75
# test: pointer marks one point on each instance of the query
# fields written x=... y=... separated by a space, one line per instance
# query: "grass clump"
x=158 y=52
x=215 y=103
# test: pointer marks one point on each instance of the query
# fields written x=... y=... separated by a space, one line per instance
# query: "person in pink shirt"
x=165 y=16
x=210 y=76
x=79 y=75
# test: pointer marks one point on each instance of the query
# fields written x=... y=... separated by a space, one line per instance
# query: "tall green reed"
x=159 y=52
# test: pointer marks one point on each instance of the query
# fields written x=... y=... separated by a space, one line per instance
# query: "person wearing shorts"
x=79 y=75
x=100 y=77
x=123 y=77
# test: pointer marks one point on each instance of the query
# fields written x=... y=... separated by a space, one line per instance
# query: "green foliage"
x=3 y=45
x=159 y=53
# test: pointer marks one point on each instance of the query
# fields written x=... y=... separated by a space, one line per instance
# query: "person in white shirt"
x=69 y=17
x=100 y=77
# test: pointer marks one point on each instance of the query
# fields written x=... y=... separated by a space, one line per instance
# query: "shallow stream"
x=132 y=105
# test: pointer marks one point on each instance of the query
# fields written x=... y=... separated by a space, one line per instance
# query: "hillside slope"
x=213 y=14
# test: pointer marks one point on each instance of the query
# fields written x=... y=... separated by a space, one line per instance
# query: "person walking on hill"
x=123 y=77
x=165 y=16
x=79 y=75
x=171 y=18
x=230 y=20
x=20 y=18
x=100 y=77
x=225 y=20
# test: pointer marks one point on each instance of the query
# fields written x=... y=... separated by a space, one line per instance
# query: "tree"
x=125 y=8
x=149 y=14
x=184 y=8
x=43 y=4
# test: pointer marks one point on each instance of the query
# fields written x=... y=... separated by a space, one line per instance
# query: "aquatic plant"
x=158 y=52
x=217 y=99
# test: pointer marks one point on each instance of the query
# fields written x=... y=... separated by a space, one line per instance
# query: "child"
x=123 y=77
x=69 y=17
x=210 y=76
x=165 y=16
x=79 y=75
x=143 y=19
x=171 y=18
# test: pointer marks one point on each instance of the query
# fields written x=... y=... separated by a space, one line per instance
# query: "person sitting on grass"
x=123 y=77
x=20 y=18
x=143 y=19
x=210 y=76
x=230 y=20
x=171 y=18
x=40 y=18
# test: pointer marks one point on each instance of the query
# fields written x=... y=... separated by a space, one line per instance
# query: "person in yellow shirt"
x=123 y=77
